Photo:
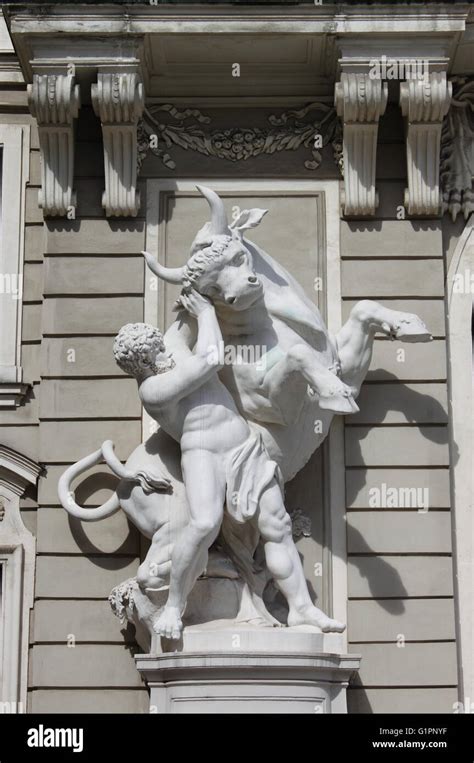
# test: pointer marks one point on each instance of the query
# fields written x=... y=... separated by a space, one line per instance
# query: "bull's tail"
x=149 y=482
x=66 y=495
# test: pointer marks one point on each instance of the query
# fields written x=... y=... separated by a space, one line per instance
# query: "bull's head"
x=220 y=265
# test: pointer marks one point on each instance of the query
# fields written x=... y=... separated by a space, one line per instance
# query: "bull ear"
x=248 y=218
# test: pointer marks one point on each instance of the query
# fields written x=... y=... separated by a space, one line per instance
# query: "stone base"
x=249 y=670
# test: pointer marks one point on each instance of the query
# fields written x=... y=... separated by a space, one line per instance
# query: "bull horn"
x=219 y=224
x=171 y=275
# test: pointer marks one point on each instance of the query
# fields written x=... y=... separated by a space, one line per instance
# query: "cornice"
x=322 y=19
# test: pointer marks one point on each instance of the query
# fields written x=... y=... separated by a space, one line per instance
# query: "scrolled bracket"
x=118 y=100
x=360 y=102
x=424 y=103
x=54 y=101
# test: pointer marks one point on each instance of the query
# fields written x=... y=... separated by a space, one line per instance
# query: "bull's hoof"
x=411 y=329
x=406 y=327
x=332 y=394
x=410 y=333
x=341 y=404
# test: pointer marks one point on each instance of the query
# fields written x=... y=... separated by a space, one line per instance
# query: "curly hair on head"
x=136 y=345
x=199 y=262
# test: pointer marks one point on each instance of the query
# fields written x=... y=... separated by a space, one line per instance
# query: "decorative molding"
x=300 y=523
x=424 y=103
x=272 y=669
x=118 y=100
x=287 y=132
x=17 y=471
x=460 y=305
x=17 y=560
x=12 y=394
x=15 y=141
x=54 y=101
x=457 y=155
x=360 y=102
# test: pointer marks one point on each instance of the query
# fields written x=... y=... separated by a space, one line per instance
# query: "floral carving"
x=301 y=524
x=457 y=158
x=121 y=598
x=287 y=132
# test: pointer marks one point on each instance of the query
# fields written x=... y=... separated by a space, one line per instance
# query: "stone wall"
x=84 y=278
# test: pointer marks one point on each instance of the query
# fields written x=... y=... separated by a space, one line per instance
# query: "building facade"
x=352 y=124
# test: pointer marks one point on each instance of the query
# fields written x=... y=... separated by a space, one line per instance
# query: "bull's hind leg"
x=356 y=338
x=154 y=571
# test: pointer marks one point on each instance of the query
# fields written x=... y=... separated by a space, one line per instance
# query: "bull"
x=260 y=305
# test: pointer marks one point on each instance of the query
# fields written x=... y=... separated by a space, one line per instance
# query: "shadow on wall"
x=111 y=560
x=418 y=226
x=423 y=405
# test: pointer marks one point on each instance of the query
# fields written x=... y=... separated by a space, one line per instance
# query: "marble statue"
x=207 y=488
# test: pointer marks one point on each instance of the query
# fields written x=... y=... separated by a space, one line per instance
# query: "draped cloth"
x=249 y=472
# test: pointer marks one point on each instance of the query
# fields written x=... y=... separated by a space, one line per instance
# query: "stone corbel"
x=54 y=101
x=424 y=103
x=118 y=100
x=360 y=102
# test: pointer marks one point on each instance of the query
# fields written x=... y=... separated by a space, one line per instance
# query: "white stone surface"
x=461 y=413
x=250 y=670
x=424 y=103
x=118 y=99
x=17 y=561
x=15 y=142
x=360 y=102
x=54 y=100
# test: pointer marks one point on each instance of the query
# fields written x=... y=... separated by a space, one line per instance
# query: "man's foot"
x=169 y=624
x=311 y=615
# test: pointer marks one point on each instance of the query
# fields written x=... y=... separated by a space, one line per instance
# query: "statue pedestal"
x=245 y=669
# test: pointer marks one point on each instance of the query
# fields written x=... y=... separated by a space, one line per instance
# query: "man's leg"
x=205 y=489
x=284 y=563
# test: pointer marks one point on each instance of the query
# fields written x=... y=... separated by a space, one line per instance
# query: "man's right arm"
x=196 y=369
x=170 y=387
